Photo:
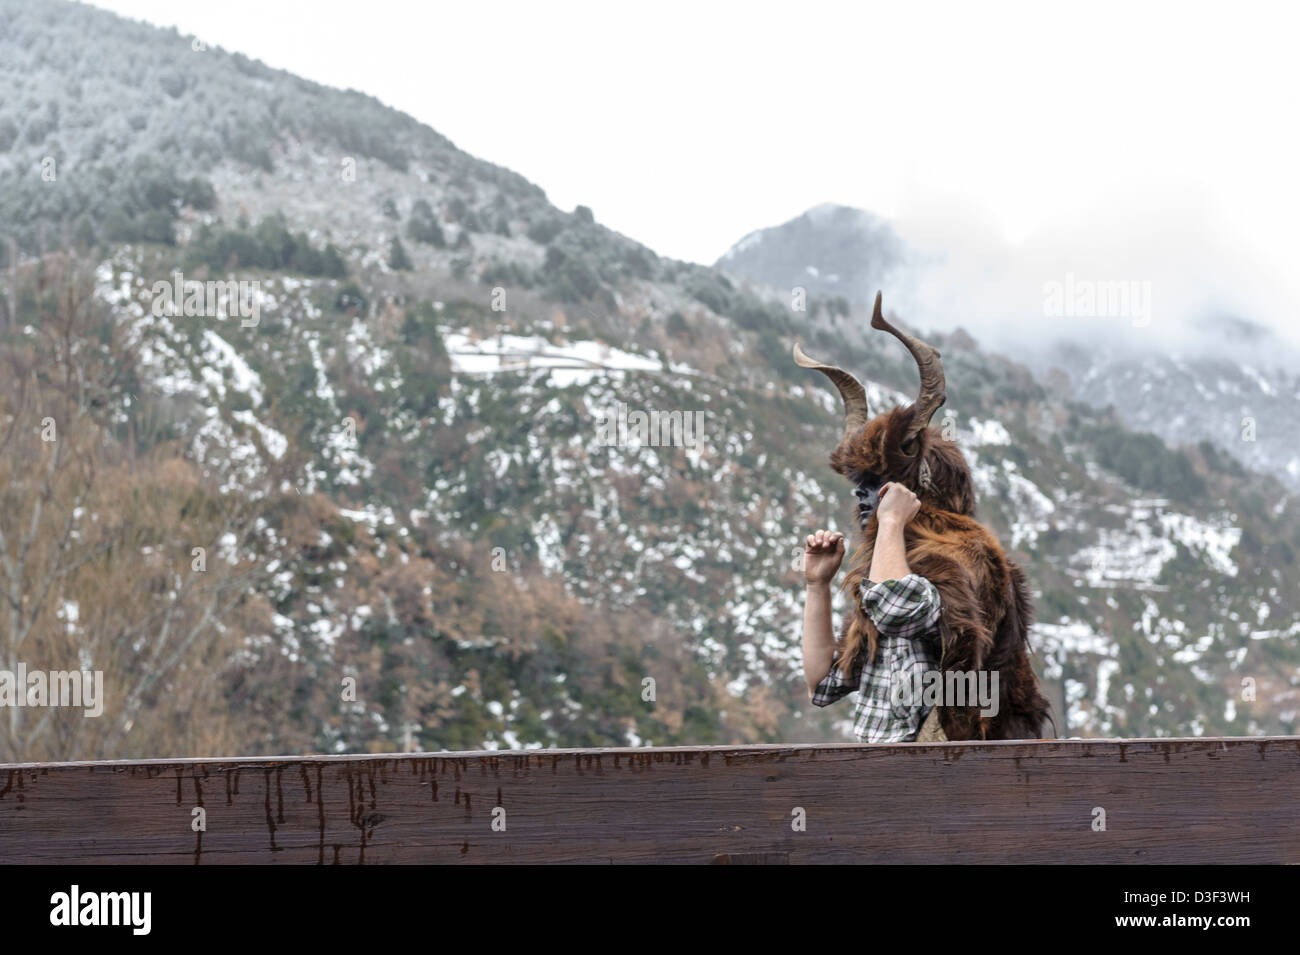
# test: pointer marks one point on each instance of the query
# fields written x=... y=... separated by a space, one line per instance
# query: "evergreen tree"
x=423 y=226
x=398 y=260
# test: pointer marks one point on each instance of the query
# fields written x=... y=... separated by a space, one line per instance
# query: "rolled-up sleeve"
x=906 y=607
x=836 y=685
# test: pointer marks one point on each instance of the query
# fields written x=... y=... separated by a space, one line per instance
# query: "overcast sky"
x=1116 y=142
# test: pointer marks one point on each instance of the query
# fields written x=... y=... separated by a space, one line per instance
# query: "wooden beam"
x=1165 y=801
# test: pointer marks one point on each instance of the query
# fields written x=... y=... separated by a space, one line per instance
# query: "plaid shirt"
x=906 y=614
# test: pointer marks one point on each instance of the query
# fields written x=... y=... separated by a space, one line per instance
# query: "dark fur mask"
x=936 y=471
x=898 y=445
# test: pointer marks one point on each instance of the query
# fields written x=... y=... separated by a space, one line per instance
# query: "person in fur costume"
x=933 y=592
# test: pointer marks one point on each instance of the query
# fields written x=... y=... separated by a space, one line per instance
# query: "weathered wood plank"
x=1166 y=801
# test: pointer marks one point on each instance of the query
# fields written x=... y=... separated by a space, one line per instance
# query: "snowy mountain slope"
x=493 y=571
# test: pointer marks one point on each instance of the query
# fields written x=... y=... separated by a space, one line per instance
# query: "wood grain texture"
x=1166 y=801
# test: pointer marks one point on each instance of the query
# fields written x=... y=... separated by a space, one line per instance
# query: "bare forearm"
x=889 y=556
x=818 y=643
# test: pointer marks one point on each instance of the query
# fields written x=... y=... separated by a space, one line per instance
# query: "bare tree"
x=129 y=562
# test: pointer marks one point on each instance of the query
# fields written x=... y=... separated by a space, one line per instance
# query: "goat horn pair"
x=928 y=400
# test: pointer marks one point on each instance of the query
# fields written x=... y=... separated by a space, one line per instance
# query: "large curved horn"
x=933 y=393
x=851 y=390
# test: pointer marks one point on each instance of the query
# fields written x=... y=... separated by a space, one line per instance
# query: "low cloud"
x=1202 y=279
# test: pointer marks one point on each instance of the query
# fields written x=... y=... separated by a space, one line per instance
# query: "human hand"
x=897 y=506
x=822 y=556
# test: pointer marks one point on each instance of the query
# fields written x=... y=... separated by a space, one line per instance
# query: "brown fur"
x=986 y=605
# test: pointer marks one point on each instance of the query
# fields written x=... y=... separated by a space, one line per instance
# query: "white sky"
x=1116 y=141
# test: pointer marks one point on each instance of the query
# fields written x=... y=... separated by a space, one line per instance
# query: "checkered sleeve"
x=836 y=685
x=907 y=607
